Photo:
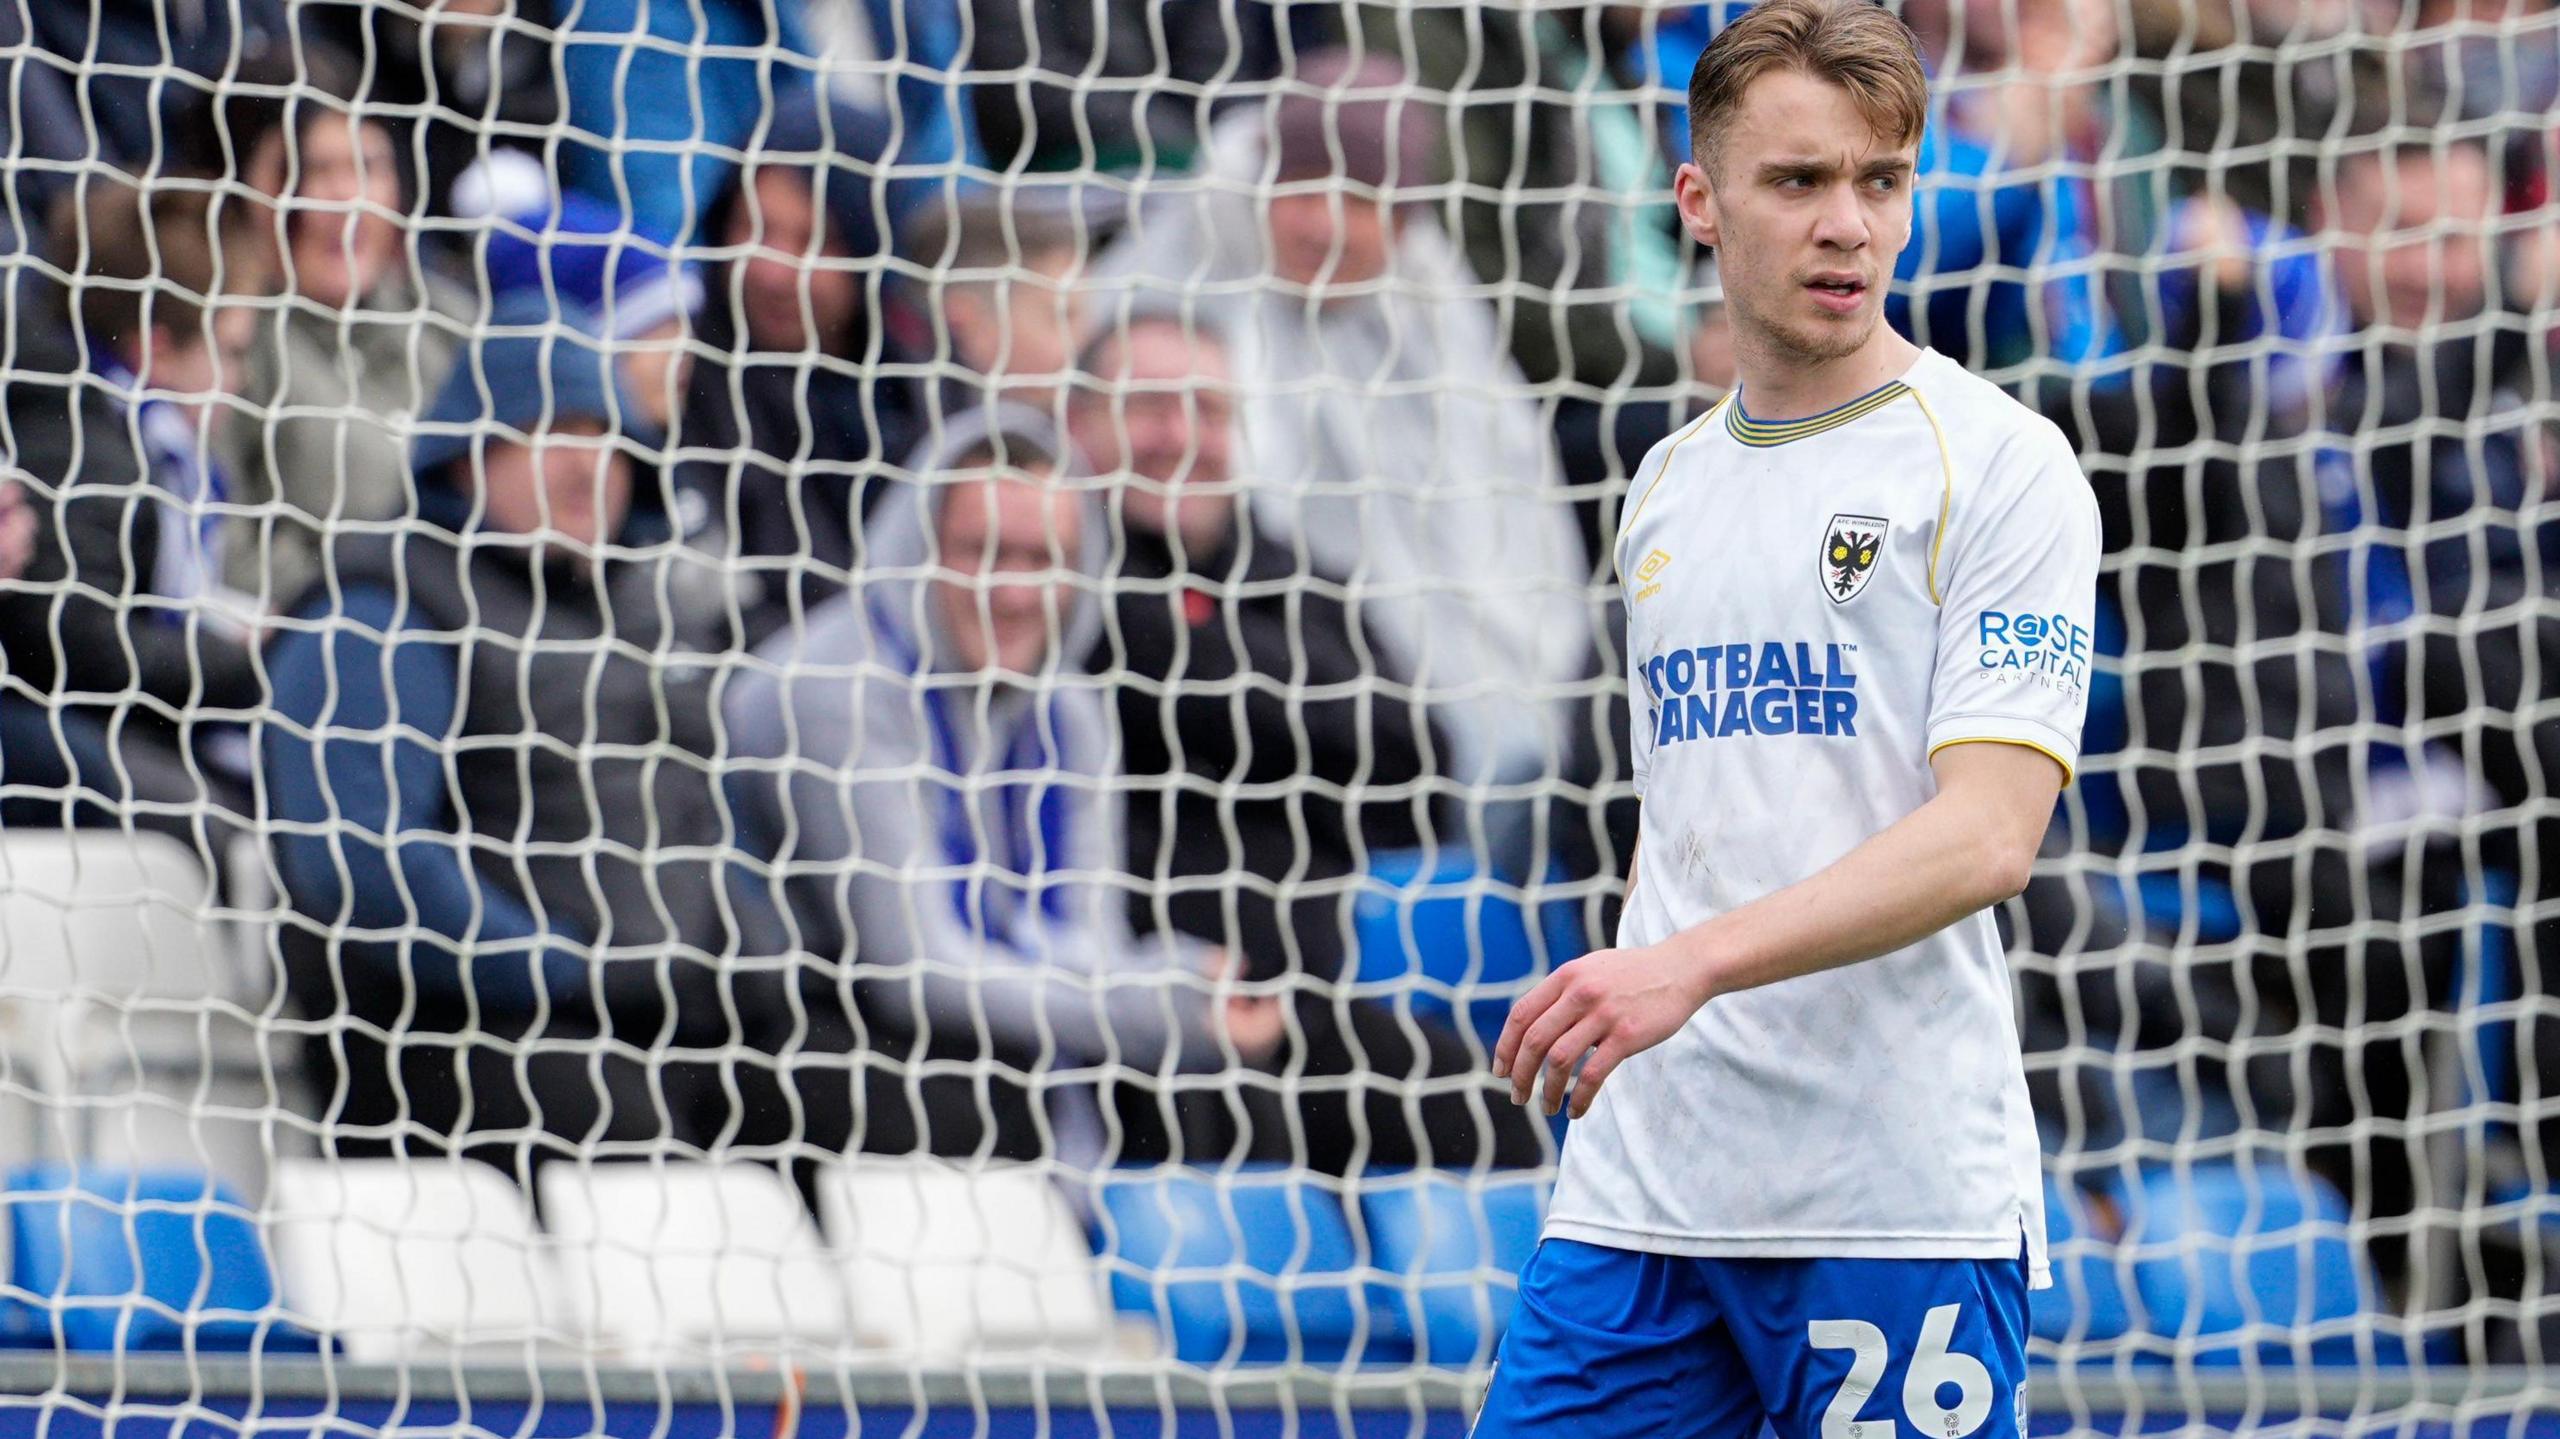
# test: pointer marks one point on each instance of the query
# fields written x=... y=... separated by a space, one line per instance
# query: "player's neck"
x=1778 y=387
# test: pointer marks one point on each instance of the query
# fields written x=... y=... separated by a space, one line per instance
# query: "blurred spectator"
x=1115 y=89
x=2235 y=708
x=2492 y=60
x=1389 y=438
x=2326 y=569
x=120 y=389
x=2425 y=424
x=44 y=751
x=666 y=93
x=1563 y=188
x=2430 y=410
x=943 y=811
x=2434 y=425
x=2487 y=70
x=1564 y=200
x=496 y=817
x=478 y=73
x=2245 y=92
x=1004 y=285
x=789 y=419
x=2002 y=267
x=554 y=258
x=1241 y=675
x=1266 y=765
x=361 y=343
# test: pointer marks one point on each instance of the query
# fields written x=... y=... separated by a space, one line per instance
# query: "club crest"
x=1851 y=546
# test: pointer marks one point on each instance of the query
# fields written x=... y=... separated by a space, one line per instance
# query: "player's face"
x=1808 y=211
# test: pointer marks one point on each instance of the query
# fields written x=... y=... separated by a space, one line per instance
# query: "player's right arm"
x=1971 y=846
x=2006 y=702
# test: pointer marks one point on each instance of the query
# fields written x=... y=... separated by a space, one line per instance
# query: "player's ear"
x=1697 y=202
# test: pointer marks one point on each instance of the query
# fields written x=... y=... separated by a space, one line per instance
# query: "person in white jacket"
x=1387 y=434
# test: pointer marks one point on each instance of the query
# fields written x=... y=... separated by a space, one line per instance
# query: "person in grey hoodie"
x=933 y=776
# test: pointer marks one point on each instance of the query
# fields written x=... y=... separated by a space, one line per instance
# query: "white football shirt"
x=1816 y=608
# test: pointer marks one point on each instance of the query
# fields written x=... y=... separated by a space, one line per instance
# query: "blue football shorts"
x=1628 y=1345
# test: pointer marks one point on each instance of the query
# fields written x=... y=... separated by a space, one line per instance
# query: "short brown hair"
x=1854 y=44
x=155 y=257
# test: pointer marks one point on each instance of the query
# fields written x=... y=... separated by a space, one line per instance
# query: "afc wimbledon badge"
x=1851 y=545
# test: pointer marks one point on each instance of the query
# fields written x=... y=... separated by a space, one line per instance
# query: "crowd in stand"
x=823 y=574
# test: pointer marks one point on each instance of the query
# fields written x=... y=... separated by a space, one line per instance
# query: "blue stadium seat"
x=2236 y=1260
x=137 y=1259
x=2086 y=1304
x=1451 y=1249
x=1430 y=922
x=1254 y=1266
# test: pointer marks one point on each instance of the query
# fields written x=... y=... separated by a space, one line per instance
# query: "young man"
x=1859 y=598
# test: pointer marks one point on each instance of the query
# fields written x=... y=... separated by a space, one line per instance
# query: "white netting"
x=927 y=669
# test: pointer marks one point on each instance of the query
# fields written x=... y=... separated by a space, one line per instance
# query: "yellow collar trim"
x=1764 y=433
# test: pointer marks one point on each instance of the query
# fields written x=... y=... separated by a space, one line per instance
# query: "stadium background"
x=2285 y=269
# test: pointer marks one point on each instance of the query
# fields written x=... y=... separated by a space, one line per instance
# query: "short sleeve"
x=1639 y=729
x=2017 y=594
x=1640 y=492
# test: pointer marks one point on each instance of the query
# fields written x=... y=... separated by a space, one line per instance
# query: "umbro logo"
x=1649 y=573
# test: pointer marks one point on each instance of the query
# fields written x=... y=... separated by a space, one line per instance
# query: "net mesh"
x=898 y=687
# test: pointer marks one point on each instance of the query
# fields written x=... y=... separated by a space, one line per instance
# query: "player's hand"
x=1609 y=1004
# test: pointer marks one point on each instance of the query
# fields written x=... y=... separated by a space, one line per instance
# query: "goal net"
x=755 y=713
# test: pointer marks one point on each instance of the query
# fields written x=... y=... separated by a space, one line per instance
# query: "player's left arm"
x=1969 y=847
x=2016 y=588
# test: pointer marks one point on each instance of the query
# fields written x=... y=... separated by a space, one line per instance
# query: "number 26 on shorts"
x=1931 y=1370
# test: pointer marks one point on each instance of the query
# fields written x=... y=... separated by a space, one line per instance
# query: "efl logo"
x=1648 y=573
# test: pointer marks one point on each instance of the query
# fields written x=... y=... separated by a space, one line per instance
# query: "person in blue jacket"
x=661 y=95
x=521 y=928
